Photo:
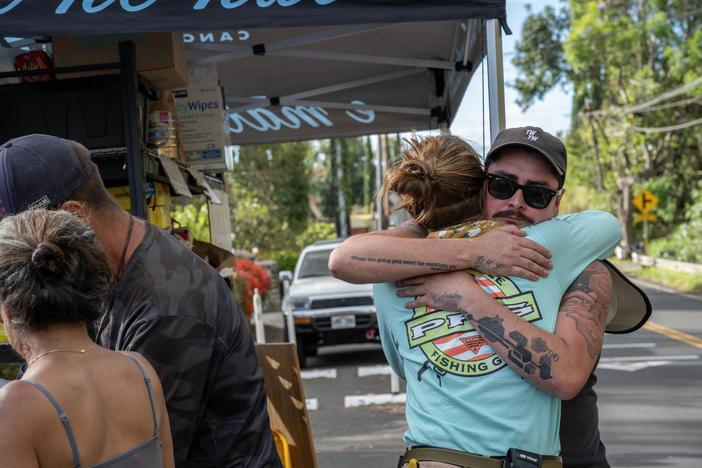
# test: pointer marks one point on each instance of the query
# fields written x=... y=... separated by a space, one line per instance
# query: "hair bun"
x=48 y=257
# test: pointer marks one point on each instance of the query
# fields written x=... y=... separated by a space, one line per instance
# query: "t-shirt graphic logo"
x=449 y=341
x=474 y=343
x=531 y=135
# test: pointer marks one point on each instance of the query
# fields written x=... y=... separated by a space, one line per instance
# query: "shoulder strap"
x=151 y=392
x=64 y=420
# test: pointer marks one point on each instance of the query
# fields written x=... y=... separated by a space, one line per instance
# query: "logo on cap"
x=43 y=202
x=531 y=134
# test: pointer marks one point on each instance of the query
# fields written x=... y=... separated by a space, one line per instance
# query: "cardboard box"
x=203 y=121
x=160 y=57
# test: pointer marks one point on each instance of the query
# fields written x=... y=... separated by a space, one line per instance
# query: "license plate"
x=343 y=321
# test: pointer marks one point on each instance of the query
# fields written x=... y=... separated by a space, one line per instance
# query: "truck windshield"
x=315 y=264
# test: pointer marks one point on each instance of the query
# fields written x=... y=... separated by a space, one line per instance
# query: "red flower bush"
x=249 y=276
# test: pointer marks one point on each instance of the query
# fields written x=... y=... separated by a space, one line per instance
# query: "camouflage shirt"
x=173 y=308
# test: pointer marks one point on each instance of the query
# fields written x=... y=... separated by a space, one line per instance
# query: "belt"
x=465 y=459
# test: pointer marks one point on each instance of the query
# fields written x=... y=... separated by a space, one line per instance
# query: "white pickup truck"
x=326 y=310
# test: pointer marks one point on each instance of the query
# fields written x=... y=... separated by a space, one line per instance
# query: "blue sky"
x=552 y=113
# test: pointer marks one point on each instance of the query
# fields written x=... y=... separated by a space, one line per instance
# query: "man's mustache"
x=513 y=214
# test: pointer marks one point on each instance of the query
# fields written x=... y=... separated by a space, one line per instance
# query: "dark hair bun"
x=48 y=257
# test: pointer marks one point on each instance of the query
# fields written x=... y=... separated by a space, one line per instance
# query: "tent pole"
x=135 y=168
x=378 y=182
x=496 y=80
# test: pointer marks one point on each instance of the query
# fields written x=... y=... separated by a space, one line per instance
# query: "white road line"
x=311 y=404
x=628 y=345
x=632 y=366
x=365 y=371
x=310 y=374
x=679 y=357
x=373 y=399
x=633 y=363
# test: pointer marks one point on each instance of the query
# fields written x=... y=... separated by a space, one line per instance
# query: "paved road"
x=650 y=391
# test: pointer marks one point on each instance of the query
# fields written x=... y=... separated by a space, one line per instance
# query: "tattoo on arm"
x=490 y=263
x=586 y=302
x=491 y=329
x=396 y=261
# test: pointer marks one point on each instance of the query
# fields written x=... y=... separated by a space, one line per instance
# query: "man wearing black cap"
x=166 y=303
x=525 y=173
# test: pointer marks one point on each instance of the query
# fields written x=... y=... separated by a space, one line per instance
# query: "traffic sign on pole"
x=645 y=201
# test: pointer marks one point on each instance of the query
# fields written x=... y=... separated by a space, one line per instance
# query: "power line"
x=669 y=128
x=647 y=105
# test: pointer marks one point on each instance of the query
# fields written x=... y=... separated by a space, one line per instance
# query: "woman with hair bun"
x=77 y=404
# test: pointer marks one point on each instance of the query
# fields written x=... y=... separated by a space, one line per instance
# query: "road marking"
x=631 y=366
x=634 y=363
x=311 y=404
x=318 y=374
x=674 y=334
x=373 y=399
x=628 y=345
x=674 y=357
x=365 y=371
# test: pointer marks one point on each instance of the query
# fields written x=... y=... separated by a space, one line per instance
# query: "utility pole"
x=343 y=227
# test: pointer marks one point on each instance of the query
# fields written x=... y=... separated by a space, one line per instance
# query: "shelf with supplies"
x=109 y=115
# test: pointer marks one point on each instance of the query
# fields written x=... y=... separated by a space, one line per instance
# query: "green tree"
x=270 y=194
x=634 y=68
x=194 y=216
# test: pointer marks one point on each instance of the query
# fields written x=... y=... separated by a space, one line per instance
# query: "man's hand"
x=504 y=252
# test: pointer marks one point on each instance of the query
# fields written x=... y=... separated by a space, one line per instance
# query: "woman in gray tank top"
x=77 y=404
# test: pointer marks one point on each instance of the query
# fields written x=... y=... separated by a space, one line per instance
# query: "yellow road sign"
x=645 y=201
x=645 y=217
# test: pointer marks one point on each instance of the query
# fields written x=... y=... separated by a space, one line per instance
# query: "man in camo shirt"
x=166 y=303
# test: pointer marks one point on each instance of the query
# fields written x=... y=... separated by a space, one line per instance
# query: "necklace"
x=119 y=272
x=118 y=275
x=81 y=351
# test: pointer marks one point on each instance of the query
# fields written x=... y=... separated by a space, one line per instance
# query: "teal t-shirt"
x=460 y=394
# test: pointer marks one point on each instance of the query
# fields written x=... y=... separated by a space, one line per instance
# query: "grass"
x=680 y=280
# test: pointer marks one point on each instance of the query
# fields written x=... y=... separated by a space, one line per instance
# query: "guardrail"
x=665 y=263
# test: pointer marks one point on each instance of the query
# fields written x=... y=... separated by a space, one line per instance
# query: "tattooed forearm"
x=586 y=302
x=518 y=356
x=396 y=261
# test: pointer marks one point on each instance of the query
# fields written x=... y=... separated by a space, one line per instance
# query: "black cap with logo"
x=537 y=140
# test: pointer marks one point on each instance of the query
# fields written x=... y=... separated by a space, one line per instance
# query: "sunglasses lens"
x=501 y=188
x=537 y=197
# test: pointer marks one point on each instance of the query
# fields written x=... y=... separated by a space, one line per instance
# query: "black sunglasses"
x=534 y=196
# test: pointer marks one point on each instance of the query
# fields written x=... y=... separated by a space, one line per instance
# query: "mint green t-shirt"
x=460 y=394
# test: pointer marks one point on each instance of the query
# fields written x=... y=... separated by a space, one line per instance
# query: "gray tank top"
x=145 y=455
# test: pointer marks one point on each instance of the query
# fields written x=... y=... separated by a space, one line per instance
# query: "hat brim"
x=629 y=307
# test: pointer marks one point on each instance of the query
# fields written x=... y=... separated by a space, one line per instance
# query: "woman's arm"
x=16 y=431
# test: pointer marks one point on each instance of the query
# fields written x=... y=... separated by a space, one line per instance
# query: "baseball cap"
x=38 y=171
x=536 y=139
x=629 y=308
